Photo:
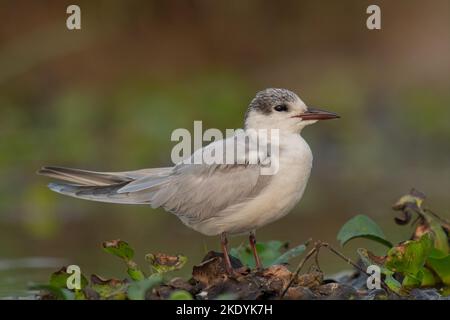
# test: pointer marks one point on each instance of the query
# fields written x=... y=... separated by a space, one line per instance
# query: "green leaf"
x=439 y=262
x=362 y=226
x=445 y=292
x=80 y=295
x=440 y=237
x=413 y=282
x=122 y=250
x=428 y=279
x=408 y=258
x=134 y=272
x=180 y=295
x=109 y=289
x=290 y=254
x=138 y=289
x=227 y=296
x=369 y=258
x=57 y=292
x=268 y=252
x=119 y=248
x=428 y=221
x=162 y=263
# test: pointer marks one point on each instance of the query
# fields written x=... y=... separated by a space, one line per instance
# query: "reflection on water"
x=16 y=275
x=30 y=263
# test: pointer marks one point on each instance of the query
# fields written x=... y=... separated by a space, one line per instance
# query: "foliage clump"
x=418 y=268
x=420 y=262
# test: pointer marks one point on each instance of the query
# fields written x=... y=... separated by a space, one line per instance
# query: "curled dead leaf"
x=407 y=205
x=162 y=262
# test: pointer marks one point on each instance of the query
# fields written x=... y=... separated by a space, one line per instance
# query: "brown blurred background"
x=107 y=97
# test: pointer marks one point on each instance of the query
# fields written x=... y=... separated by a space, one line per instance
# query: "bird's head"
x=282 y=109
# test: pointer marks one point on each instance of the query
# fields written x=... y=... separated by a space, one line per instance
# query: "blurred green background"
x=107 y=98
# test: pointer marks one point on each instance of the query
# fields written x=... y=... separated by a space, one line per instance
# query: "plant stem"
x=317 y=246
x=297 y=271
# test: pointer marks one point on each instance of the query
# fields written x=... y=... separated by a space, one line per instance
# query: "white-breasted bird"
x=216 y=199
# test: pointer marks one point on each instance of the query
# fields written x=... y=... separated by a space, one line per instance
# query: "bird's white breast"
x=283 y=192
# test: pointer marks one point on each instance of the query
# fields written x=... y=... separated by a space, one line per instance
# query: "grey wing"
x=192 y=191
x=197 y=192
x=200 y=191
x=189 y=190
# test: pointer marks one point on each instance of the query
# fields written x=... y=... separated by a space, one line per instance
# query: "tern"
x=217 y=199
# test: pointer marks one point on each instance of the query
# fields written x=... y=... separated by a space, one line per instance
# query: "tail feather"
x=103 y=186
x=83 y=177
x=99 y=193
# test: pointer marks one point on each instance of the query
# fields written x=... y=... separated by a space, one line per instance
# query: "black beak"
x=317 y=114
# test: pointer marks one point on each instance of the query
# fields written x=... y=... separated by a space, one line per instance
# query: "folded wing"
x=192 y=191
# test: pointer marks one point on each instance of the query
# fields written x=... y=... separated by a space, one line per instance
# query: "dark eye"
x=281 y=108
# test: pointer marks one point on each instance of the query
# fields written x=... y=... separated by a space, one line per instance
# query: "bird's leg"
x=224 y=243
x=252 y=240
